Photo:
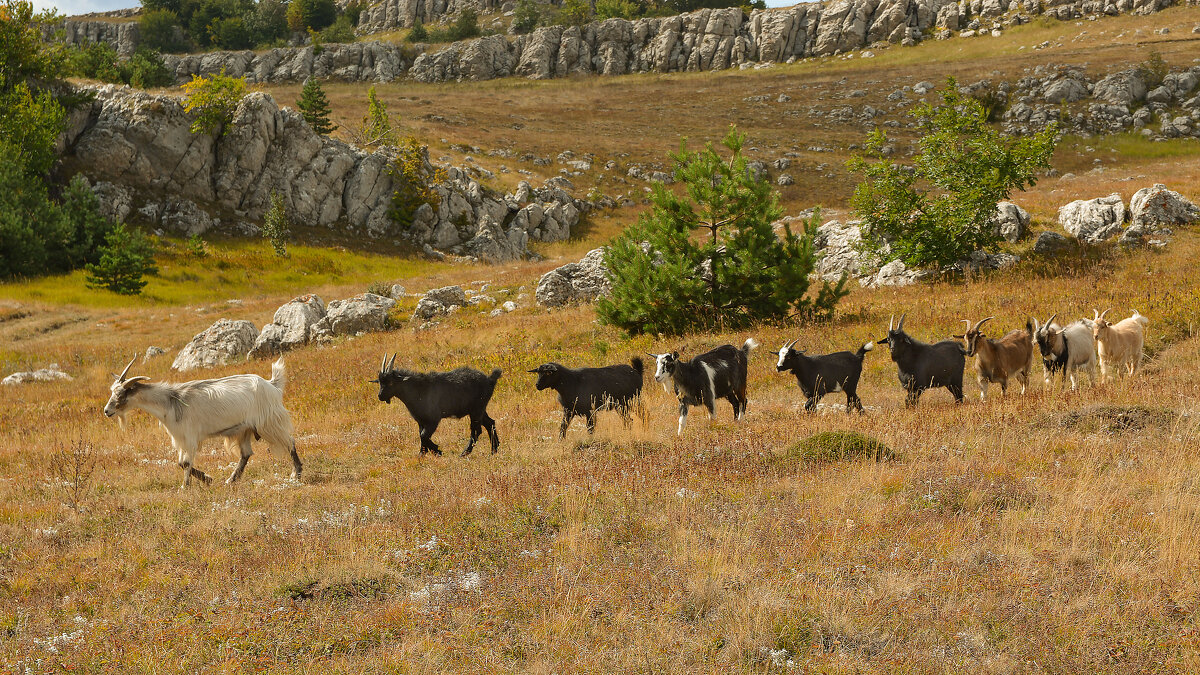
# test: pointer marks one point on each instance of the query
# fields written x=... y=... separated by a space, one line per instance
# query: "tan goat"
x=1119 y=344
x=998 y=360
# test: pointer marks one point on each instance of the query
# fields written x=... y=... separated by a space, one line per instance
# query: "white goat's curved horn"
x=966 y=321
x=983 y=321
x=1104 y=312
x=121 y=377
x=900 y=326
x=1051 y=319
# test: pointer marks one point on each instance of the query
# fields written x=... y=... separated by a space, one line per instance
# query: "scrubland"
x=1048 y=532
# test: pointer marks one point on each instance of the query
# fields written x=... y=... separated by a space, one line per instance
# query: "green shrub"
x=196 y=247
x=836 y=446
x=1153 y=70
x=574 y=13
x=737 y=273
x=314 y=14
x=413 y=178
x=418 y=32
x=465 y=27
x=526 y=16
x=213 y=100
x=147 y=70
x=125 y=257
x=943 y=207
x=376 y=127
x=161 y=30
x=340 y=31
x=30 y=122
x=229 y=33
x=97 y=61
x=617 y=9
x=276 y=228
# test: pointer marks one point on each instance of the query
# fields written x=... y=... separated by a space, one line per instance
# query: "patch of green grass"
x=834 y=446
x=1136 y=146
x=232 y=269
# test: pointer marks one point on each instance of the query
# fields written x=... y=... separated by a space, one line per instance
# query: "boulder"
x=361 y=314
x=115 y=201
x=47 y=374
x=492 y=244
x=1157 y=207
x=982 y=261
x=440 y=301
x=1124 y=88
x=292 y=327
x=1012 y=221
x=894 y=273
x=1093 y=221
x=582 y=281
x=221 y=343
x=1066 y=89
x=152 y=352
x=1049 y=242
x=837 y=247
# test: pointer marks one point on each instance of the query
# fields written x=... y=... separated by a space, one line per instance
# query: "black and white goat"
x=236 y=408
x=1067 y=349
x=824 y=374
x=584 y=391
x=922 y=366
x=432 y=397
x=720 y=373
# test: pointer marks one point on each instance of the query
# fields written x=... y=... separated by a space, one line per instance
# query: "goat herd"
x=239 y=407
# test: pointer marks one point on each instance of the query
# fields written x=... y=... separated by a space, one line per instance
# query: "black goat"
x=820 y=375
x=432 y=397
x=720 y=373
x=583 y=391
x=924 y=366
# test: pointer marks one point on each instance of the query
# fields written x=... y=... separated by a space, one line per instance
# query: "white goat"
x=1120 y=344
x=235 y=408
x=1067 y=350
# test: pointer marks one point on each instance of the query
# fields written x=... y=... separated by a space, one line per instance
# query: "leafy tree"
x=314 y=14
x=340 y=31
x=315 y=107
x=413 y=177
x=617 y=9
x=161 y=30
x=125 y=257
x=146 y=70
x=276 y=228
x=267 y=24
x=376 y=127
x=943 y=207
x=30 y=122
x=737 y=272
x=96 y=60
x=418 y=32
x=574 y=13
x=24 y=57
x=213 y=100
x=526 y=16
x=229 y=33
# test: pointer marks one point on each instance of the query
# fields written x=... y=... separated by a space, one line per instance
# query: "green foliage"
x=836 y=446
x=160 y=30
x=125 y=257
x=737 y=273
x=196 y=247
x=681 y=6
x=315 y=107
x=413 y=178
x=146 y=69
x=267 y=24
x=28 y=219
x=418 y=32
x=97 y=61
x=465 y=26
x=340 y=31
x=213 y=100
x=275 y=227
x=229 y=33
x=526 y=16
x=617 y=9
x=30 y=122
x=1153 y=70
x=24 y=57
x=376 y=127
x=85 y=227
x=943 y=207
x=314 y=14
x=574 y=13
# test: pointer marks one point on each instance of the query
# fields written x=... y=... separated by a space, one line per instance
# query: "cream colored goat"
x=1119 y=344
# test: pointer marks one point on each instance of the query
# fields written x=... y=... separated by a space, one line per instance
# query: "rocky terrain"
x=355 y=62
x=147 y=164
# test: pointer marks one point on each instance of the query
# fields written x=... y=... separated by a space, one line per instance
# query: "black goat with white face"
x=924 y=366
x=584 y=391
x=824 y=374
x=432 y=397
x=719 y=373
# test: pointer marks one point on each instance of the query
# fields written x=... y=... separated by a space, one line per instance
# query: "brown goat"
x=998 y=360
x=1119 y=344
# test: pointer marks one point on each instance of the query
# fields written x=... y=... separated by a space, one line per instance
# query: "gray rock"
x=47 y=374
x=582 y=281
x=895 y=273
x=784 y=180
x=492 y=244
x=186 y=217
x=982 y=261
x=440 y=301
x=1093 y=221
x=361 y=314
x=223 y=342
x=1066 y=89
x=396 y=292
x=1159 y=95
x=1123 y=88
x=837 y=248
x=1050 y=242
x=115 y=201
x=152 y=352
x=1012 y=221
x=293 y=326
x=1157 y=207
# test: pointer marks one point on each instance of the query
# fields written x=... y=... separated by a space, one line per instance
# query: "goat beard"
x=120 y=420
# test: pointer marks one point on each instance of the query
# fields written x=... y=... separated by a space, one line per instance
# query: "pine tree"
x=736 y=273
x=315 y=107
x=126 y=256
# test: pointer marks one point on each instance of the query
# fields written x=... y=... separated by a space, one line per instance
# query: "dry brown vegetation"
x=1051 y=532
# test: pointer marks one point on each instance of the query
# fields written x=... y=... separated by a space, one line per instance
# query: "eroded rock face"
x=293 y=326
x=361 y=314
x=440 y=301
x=582 y=281
x=223 y=342
x=1157 y=207
x=1012 y=221
x=1093 y=221
x=354 y=62
x=838 y=245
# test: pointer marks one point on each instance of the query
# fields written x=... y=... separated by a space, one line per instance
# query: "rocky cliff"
x=122 y=36
x=355 y=62
x=391 y=14
x=149 y=165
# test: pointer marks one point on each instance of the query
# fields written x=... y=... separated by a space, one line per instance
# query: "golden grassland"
x=1033 y=533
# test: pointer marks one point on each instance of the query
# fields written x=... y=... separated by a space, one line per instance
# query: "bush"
x=837 y=446
x=418 y=32
x=196 y=247
x=465 y=27
x=162 y=31
x=943 y=207
x=267 y=24
x=97 y=61
x=413 y=178
x=1153 y=70
x=617 y=9
x=736 y=274
x=314 y=14
x=229 y=33
x=341 y=31
x=213 y=100
x=125 y=257
x=315 y=107
x=526 y=16
x=147 y=70
x=376 y=127
x=275 y=226
x=30 y=122
x=574 y=13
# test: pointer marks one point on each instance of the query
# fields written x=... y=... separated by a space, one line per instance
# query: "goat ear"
x=675 y=355
x=958 y=337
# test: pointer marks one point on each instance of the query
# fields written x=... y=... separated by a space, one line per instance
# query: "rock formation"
x=1093 y=221
x=221 y=343
x=582 y=281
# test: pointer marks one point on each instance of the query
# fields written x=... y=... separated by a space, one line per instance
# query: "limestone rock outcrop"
x=582 y=281
x=221 y=343
x=1093 y=221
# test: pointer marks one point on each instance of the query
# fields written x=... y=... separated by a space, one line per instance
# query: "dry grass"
x=994 y=539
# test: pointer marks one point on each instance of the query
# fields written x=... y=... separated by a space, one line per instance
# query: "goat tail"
x=495 y=376
x=279 y=374
x=636 y=362
x=862 y=351
x=1029 y=326
x=1137 y=316
x=749 y=346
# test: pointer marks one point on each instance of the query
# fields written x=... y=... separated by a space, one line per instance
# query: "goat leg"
x=476 y=429
x=244 y=442
x=568 y=415
x=490 y=425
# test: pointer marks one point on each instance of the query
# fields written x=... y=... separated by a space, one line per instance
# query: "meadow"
x=1053 y=531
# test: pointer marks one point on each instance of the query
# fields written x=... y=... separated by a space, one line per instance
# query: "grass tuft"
x=836 y=446
x=1116 y=419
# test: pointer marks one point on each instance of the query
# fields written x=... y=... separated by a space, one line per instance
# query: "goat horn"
x=891 y=322
x=383 y=366
x=121 y=377
x=976 y=329
x=392 y=363
x=1104 y=312
x=1051 y=319
x=900 y=326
